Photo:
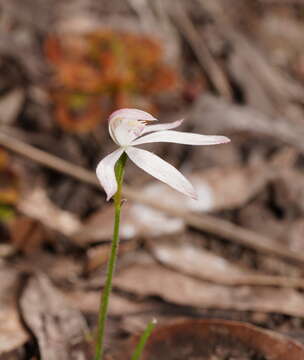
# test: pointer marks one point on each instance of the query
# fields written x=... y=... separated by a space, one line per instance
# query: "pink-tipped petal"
x=181 y=138
x=161 y=170
x=133 y=114
x=165 y=126
x=106 y=173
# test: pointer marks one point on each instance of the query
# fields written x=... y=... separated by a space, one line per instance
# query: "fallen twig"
x=204 y=57
x=261 y=280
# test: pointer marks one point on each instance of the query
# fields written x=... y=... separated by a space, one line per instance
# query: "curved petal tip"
x=194 y=195
x=223 y=140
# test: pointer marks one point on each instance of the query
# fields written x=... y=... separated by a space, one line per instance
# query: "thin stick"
x=46 y=159
x=203 y=54
x=259 y=280
x=203 y=222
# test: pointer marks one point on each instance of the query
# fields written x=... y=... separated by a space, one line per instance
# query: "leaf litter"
x=180 y=289
x=244 y=80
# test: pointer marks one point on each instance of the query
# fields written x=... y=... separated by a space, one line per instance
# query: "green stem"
x=103 y=309
x=143 y=339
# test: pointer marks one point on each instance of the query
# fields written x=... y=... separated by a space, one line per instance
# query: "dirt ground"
x=223 y=275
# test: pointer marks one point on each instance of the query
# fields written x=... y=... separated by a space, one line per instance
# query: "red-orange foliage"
x=101 y=71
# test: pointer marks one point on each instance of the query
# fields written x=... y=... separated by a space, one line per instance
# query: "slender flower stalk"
x=103 y=310
x=128 y=127
x=143 y=339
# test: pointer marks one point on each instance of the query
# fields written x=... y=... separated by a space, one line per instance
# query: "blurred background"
x=233 y=68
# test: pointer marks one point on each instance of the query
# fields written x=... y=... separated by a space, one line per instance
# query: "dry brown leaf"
x=155 y=280
x=214 y=340
x=296 y=232
x=89 y=302
x=60 y=269
x=12 y=334
x=9 y=183
x=203 y=264
x=196 y=261
x=38 y=206
x=61 y=331
x=10 y=106
x=26 y=234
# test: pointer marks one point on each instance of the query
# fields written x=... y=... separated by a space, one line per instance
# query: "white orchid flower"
x=126 y=127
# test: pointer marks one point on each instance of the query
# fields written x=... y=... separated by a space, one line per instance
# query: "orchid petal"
x=165 y=126
x=181 y=138
x=161 y=170
x=126 y=125
x=134 y=114
x=106 y=172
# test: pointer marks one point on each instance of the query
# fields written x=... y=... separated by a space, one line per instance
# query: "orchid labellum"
x=128 y=128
